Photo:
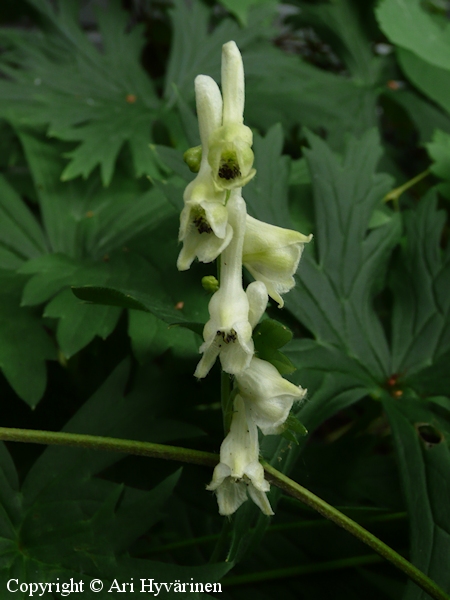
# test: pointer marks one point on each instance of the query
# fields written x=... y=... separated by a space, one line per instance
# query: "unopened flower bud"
x=210 y=284
x=193 y=158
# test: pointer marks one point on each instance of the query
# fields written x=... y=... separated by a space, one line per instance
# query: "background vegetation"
x=348 y=101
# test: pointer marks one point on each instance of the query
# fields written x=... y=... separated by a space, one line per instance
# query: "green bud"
x=193 y=158
x=210 y=284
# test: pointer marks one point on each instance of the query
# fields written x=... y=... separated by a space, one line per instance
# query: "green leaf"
x=333 y=294
x=292 y=426
x=240 y=8
x=407 y=25
x=421 y=285
x=20 y=235
x=293 y=93
x=333 y=379
x=73 y=524
x=429 y=79
x=267 y=194
x=187 y=59
x=129 y=299
x=425 y=116
x=102 y=100
x=24 y=344
x=269 y=336
x=299 y=174
x=79 y=323
x=82 y=218
x=424 y=472
x=342 y=26
x=439 y=151
x=151 y=337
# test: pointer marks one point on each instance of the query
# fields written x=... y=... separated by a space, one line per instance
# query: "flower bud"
x=193 y=158
x=210 y=284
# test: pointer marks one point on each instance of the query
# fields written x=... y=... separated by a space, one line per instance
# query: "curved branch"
x=208 y=459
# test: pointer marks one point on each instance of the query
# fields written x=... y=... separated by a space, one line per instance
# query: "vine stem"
x=210 y=460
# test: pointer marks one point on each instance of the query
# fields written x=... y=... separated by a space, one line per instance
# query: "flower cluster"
x=214 y=223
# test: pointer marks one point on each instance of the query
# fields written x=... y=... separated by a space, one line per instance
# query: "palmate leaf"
x=334 y=292
x=197 y=50
x=88 y=228
x=79 y=323
x=81 y=219
x=424 y=462
x=266 y=194
x=421 y=314
x=293 y=94
x=20 y=235
x=100 y=99
x=24 y=344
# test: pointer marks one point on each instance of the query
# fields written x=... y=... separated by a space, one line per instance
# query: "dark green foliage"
x=99 y=332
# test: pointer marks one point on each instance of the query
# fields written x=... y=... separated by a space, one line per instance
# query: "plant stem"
x=210 y=460
x=94 y=442
x=227 y=401
x=331 y=513
x=395 y=194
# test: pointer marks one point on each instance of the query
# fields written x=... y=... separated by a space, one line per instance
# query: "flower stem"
x=210 y=460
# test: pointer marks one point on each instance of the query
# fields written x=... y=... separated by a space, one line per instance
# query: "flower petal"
x=269 y=397
x=271 y=254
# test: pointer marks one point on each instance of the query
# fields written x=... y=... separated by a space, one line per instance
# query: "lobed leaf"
x=100 y=99
x=334 y=292
x=421 y=312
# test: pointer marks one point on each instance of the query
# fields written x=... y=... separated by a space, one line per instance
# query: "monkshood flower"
x=268 y=396
x=271 y=254
x=233 y=312
x=204 y=227
x=230 y=154
x=239 y=470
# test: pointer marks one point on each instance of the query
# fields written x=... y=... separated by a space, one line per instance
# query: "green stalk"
x=395 y=194
x=210 y=460
x=331 y=513
x=93 y=442
x=227 y=401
